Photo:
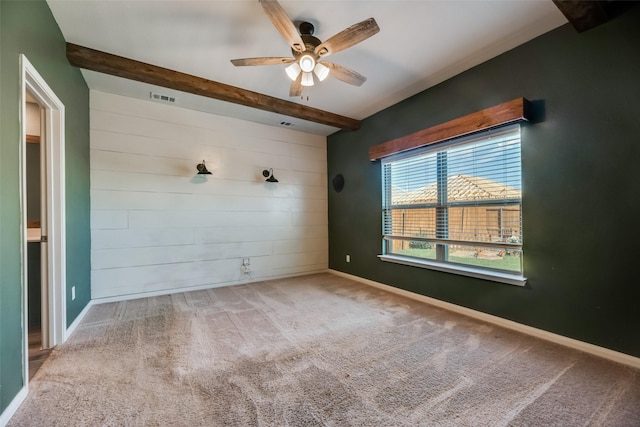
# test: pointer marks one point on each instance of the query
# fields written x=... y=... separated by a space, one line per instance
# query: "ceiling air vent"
x=163 y=98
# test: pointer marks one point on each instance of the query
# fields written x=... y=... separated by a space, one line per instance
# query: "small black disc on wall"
x=338 y=182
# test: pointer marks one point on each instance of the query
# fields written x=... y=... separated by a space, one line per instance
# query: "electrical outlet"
x=246 y=266
x=348 y=258
x=73 y=293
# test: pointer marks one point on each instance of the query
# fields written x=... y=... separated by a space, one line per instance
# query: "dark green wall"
x=581 y=184
x=28 y=27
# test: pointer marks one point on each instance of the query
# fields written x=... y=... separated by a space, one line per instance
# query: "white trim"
x=13 y=406
x=77 y=321
x=461 y=270
x=54 y=143
x=595 y=350
x=22 y=155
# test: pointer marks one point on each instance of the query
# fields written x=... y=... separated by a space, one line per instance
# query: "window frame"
x=442 y=207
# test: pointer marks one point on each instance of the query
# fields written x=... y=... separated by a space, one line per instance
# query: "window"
x=456 y=206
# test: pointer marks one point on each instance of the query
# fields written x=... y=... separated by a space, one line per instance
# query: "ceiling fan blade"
x=296 y=86
x=345 y=74
x=283 y=24
x=349 y=37
x=267 y=60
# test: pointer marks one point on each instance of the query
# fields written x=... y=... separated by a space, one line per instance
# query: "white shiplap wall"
x=157 y=227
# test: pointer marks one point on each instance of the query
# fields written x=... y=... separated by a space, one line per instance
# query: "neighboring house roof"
x=460 y=188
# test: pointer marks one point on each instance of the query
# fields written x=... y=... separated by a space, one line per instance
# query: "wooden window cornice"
x=513 y=111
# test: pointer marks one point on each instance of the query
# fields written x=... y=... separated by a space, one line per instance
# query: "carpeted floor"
x=317 y=350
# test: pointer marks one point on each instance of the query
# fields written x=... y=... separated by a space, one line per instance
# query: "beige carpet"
x=315 y=350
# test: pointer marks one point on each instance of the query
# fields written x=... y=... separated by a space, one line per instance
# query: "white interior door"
x=44 y=243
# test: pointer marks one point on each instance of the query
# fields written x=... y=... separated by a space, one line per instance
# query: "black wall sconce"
x=202 y=169
x=269 y=173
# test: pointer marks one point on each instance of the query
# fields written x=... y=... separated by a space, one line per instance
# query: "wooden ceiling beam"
x=584 y=15
x=119 y=66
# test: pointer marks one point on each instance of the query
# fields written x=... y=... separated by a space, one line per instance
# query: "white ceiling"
x=420 y=44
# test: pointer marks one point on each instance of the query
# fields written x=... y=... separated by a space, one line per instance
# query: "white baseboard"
x=77 y=321
x=13 y=406
x=595 y=350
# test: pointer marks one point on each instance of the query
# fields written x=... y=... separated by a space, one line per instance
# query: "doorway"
x=43 y=217
x=37 y=286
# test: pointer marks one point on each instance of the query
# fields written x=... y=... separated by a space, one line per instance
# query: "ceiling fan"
x=309 y=52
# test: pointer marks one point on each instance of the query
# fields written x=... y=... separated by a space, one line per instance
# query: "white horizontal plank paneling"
x=143 y=127
x=109 y=219
x=308 y=159
x=139 y=280
x=256 y=159
x=311 y=244
x=101 y=101
x=310 y=218
x=210 y=218
x=303 y=269
x=308 y=205
x=144 y=276
x=105 y=199
x=298 y=260
x=103 y=239
x=137 y=144
x=304 y=152
x=143 y=182
x=158 y=226
x=203 y=140
x=258 y=234
x=124 y=162
x=133 y=257
x=309 y=165
x=314 y=179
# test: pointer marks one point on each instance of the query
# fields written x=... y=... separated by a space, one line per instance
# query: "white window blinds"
x=458 y=202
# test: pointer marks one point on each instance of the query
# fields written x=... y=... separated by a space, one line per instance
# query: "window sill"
x=495 y=276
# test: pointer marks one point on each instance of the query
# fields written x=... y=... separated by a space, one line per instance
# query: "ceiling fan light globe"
x=321 y=71
x=307 y=79
x=293 y=70
x=307 y=63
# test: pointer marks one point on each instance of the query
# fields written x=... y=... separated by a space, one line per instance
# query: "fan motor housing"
x=306 y=30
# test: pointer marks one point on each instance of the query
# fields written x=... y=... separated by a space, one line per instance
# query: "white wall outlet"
x=348 y=258
x=246 y=266
x=73 y=293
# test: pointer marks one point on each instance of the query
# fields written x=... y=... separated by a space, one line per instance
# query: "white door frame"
x=54 y=144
